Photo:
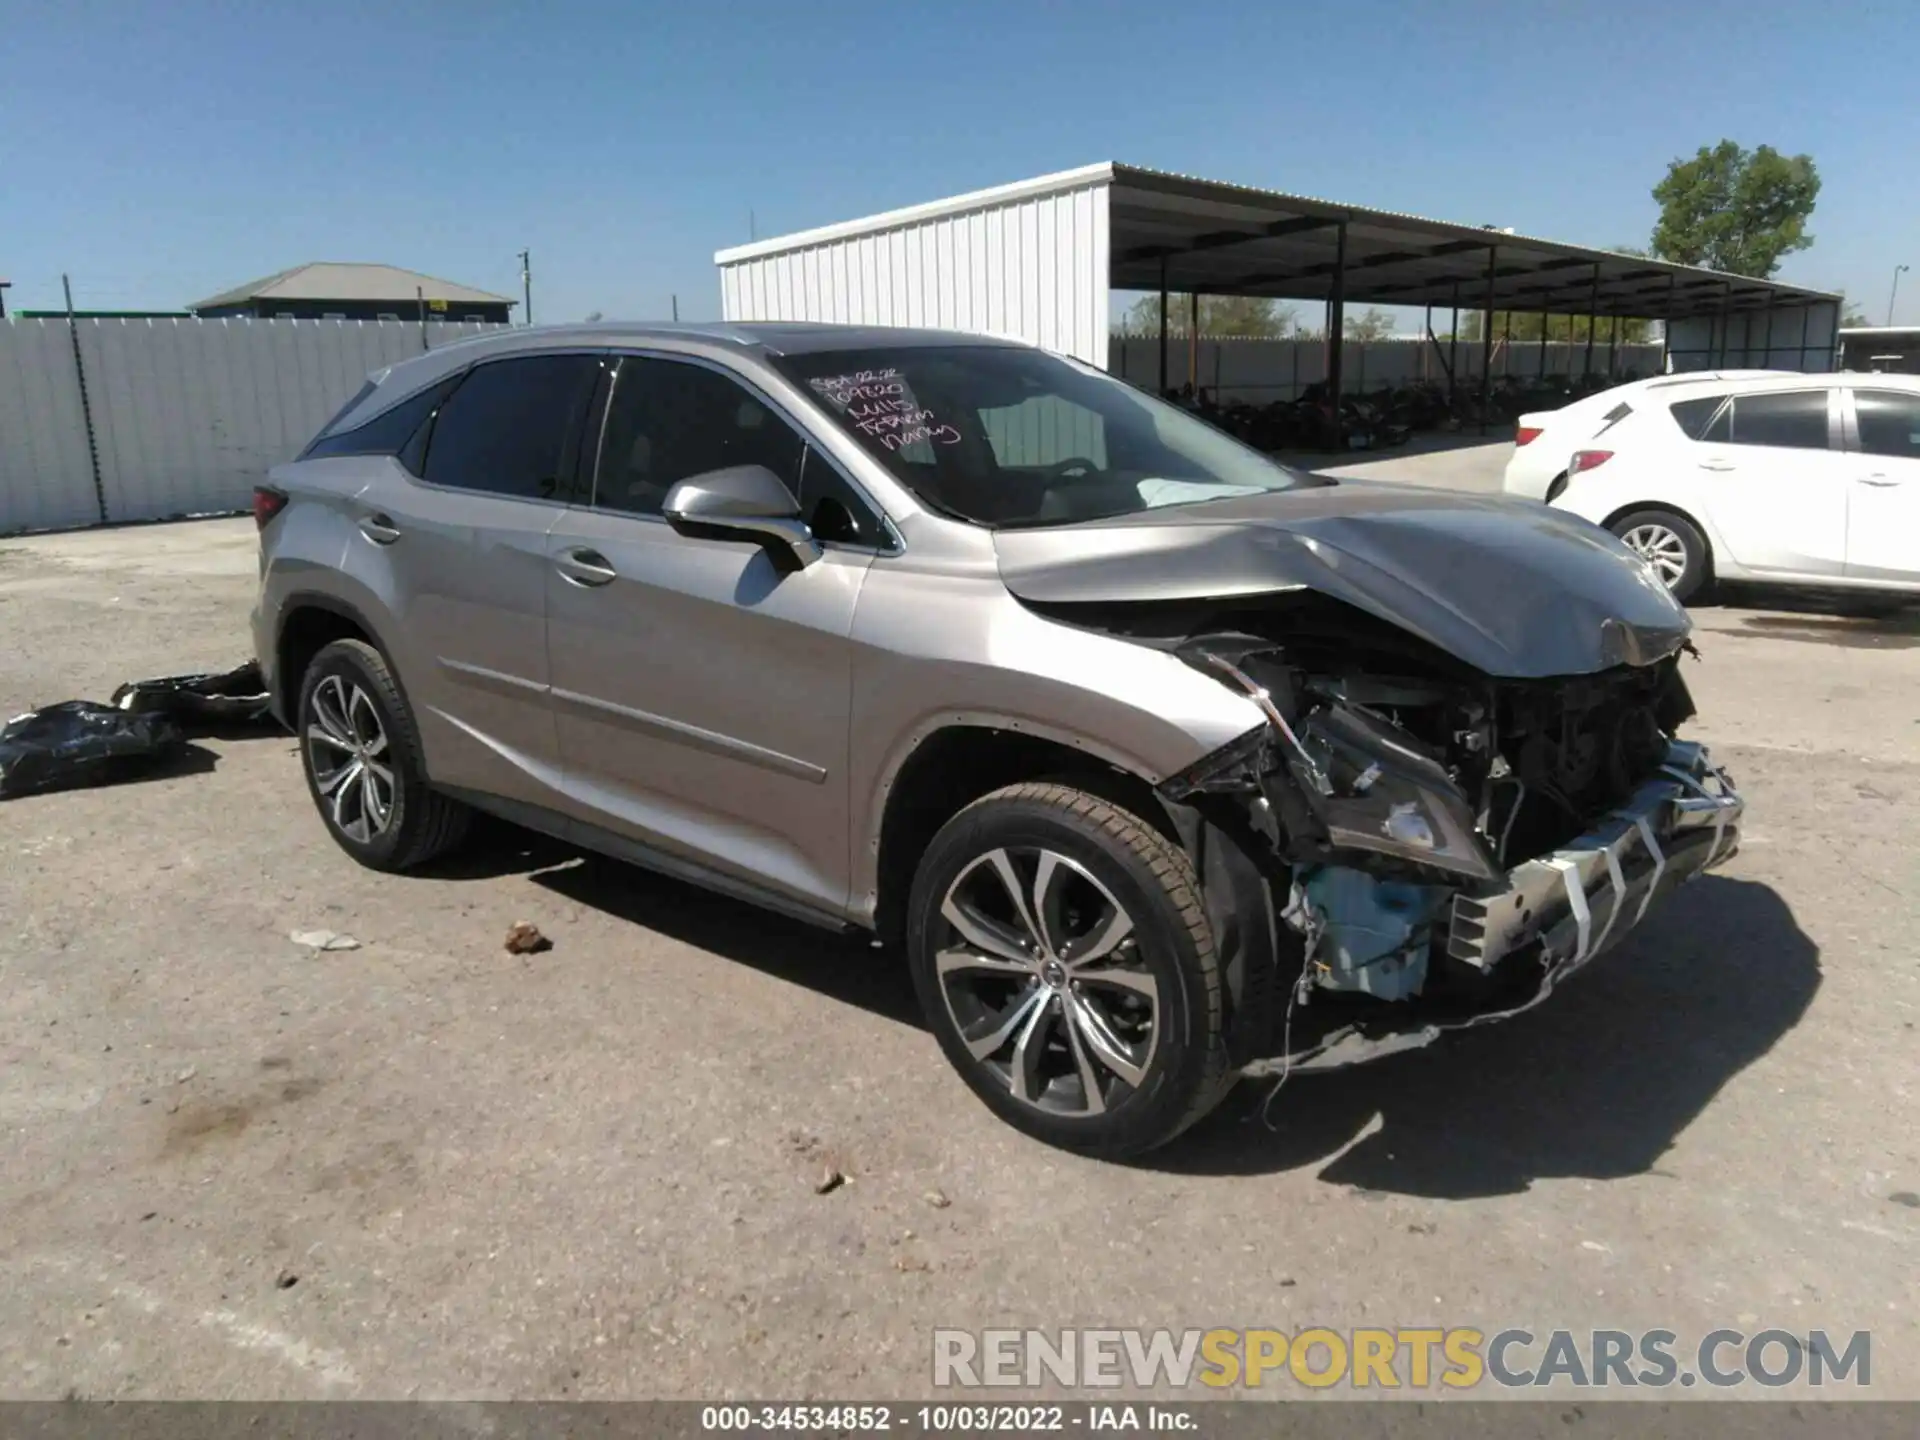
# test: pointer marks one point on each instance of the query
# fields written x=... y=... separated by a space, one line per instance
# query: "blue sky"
x=163 y=152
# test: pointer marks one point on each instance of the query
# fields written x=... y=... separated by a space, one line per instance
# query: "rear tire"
x=1063 y=959
x=1672 y=545
x=360 y=751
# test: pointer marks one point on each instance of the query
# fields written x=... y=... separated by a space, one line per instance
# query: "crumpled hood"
x=1513 y=588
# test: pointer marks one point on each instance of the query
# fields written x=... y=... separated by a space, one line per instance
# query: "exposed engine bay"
x=1439 y=845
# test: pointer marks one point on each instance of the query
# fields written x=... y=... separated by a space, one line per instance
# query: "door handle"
x=379 y=528
x=1878 y=481
x=1718 y=466
x=581 y=566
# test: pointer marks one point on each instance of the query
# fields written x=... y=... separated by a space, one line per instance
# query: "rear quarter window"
x=365 y=390
x=1704 y=418
x=388 y=432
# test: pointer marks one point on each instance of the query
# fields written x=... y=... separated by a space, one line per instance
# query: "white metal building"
x=1039 y=260
x=1027 y=260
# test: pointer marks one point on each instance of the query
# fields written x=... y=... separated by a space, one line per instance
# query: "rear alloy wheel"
x=361 y=754
x=1064 y=962
x=1670 y=545
x=351 y=759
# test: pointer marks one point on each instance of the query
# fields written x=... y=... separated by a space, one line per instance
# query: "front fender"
x=937 y=651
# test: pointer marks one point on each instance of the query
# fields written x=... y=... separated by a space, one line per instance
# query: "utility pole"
x=526 y=283
x=1894 y=294
x=676 y=309
x=420 y=299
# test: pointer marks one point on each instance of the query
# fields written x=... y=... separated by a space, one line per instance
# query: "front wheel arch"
x=952 y=766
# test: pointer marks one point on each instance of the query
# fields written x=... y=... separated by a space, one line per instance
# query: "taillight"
x=1526 y=434
x=1584 y=460
x=267 y=503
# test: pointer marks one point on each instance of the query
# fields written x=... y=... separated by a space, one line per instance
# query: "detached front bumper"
x=1585 y=896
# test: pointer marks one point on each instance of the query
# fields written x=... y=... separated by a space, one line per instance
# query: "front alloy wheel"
x=1065 y=963
x=1041 y=973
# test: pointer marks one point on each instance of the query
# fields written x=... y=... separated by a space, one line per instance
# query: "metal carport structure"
x=1040 y=259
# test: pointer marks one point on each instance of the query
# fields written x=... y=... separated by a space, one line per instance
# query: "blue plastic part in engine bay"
x=1376 y=931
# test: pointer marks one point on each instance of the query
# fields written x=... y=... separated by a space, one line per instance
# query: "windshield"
x=1006 y=437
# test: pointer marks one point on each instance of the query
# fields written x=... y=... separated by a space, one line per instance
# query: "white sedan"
x=1766 y=477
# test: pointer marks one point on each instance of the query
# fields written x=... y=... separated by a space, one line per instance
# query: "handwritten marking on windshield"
x=879 y=405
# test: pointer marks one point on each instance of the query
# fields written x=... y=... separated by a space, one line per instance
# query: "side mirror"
x=742 y=500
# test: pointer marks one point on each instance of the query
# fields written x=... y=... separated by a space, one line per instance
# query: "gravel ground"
x=426 y=1167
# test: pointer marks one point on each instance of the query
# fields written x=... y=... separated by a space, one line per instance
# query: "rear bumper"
x=1531 y=471
x=1586 y=895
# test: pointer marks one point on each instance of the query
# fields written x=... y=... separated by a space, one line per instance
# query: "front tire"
x=361 y=753
x=1671 y=544
x=1064 y=961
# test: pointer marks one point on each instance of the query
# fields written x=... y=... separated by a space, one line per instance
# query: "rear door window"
x=1789 y=420
x=1704 y=419
x=513 y=427
x=1889 y=422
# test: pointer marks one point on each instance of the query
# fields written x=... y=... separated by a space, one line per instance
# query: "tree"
x=1735 y=210
x=1222 y=315
x=1374 y=325
x=1852 y=317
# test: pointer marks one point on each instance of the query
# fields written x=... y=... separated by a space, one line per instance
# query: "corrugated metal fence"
x=1259 y=371
x=186 y=415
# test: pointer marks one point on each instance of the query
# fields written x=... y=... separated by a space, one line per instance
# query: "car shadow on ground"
x=845 y=968
x=1596 y=1083
x=1876 y=623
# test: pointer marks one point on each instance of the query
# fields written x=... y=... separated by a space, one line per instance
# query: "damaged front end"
x=1437 y=847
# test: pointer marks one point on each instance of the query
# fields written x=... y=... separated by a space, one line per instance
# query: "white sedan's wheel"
x=1661 y=548
x=1671 y=546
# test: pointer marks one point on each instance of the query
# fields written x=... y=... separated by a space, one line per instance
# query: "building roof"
x=340 y=280
x=1880 y=332
x=1217 y=238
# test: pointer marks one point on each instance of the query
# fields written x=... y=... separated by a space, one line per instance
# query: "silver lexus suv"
x=1162 y=763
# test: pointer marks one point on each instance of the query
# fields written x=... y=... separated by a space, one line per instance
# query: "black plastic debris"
x=233 y=697
x=77 y=742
